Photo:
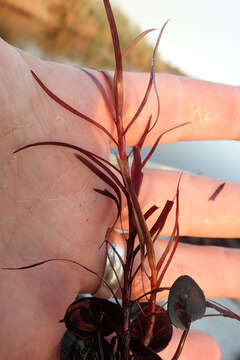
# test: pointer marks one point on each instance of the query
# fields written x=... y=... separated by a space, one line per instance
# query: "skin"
x=49 y=209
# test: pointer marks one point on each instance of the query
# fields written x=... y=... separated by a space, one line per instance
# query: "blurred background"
x=201 y=41
x=73 y=31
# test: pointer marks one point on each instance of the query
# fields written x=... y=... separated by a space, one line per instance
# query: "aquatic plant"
x=140 y=327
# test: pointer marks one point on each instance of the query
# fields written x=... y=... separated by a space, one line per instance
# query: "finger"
x=198 y=346
x=46 y=118
x=198 y=216
x=215 y=269
x=212 y=109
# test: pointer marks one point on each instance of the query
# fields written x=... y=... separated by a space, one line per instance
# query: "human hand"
x=49 y=208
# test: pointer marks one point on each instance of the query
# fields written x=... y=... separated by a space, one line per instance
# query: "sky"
x=203 y=40
x=202 y=37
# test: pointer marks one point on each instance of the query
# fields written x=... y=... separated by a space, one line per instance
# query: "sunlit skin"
x=49 y=209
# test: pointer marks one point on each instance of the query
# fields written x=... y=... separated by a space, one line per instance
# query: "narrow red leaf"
x=108 y=194
x=150 y=211
x=102 y=176
x=149 y=86
x=136 y=170
x=109 y=82
x=144 y=134
x=141 y=106
x=223 y=310
x=216 y=192
x=142 y=229
x=175 y=232
x=161 y=220
x=142 y=138
x=118 y=75
x=157 y=227
x=157 y=141
x=64 y=260
x=135 y=41
x=155 y=291
x=147 y=214
x=71 y=109
x=153 y=70
x=105 y=96
x=89 y=154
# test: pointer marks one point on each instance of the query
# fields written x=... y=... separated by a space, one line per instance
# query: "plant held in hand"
x=140 y=328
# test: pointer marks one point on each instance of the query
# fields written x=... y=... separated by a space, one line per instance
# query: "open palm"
x=49 y=209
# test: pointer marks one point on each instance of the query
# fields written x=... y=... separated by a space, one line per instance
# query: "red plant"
x=141 y=328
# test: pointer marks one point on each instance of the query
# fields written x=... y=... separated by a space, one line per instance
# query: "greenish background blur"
x=74 y=31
